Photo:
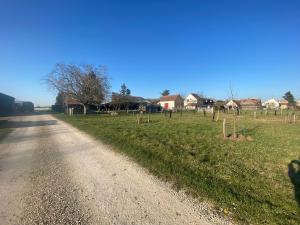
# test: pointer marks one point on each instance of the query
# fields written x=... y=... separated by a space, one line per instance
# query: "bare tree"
x=85 y=83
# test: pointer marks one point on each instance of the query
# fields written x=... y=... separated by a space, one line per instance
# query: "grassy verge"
x=249 y=178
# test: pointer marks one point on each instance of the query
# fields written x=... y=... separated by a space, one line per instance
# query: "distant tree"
x=124 y=90
x=165 y=92
x=60 y=98
x=289 y=97
x=85 y=83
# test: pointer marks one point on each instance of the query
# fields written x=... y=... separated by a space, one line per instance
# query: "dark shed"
x=6 y=104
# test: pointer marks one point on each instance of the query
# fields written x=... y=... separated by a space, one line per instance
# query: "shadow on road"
x=20 y=124
x=294 y=174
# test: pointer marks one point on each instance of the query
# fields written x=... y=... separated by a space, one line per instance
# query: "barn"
x=6 y=104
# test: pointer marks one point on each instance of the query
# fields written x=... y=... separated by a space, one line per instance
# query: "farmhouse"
x=284 y=104
x=271 y=104
x=232 y=104
x=6 y=104
x=250 y=104
x=208 y=103
x=171 y=102
x=193 y=101
x=298 y=103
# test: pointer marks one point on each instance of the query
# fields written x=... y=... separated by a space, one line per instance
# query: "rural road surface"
x=51 y=173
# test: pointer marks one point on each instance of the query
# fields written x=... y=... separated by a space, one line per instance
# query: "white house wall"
x=171 y=104
x=190 y=99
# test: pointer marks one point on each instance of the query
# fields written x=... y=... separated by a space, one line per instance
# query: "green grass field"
x=247 y=177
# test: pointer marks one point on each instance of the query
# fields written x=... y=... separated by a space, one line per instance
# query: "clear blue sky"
x=152 y=45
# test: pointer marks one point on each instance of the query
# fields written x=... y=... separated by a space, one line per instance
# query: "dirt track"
x=51 y=173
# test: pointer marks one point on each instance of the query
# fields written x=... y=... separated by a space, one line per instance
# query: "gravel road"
x=51 y=173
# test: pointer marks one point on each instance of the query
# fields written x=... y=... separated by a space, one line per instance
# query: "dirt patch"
x=239 y=137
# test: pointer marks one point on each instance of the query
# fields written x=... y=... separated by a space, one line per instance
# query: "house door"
x=166 y=106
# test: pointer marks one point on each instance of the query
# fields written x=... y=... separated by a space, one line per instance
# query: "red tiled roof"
x=250 y=102
x=73 y=102
x=169 y=98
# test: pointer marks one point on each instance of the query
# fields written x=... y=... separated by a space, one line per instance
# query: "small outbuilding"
x=232 y=104
x=171 y=102
x=284 y=104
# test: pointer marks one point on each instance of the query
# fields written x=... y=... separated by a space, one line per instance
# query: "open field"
x=246 y=178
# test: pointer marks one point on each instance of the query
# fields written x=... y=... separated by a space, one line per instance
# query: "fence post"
x=218 y=115
x=294 y=118
x=234 y=127
x=224 y=127
x=254 y=114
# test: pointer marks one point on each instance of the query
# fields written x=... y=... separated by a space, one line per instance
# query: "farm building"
x=284 y=104
x=220 y=104
x=24 y=107
x=208 y=103
x=193 y=101
x=250 y=104
x=298 y=103
x=170 y=102
x=232 y=104
x=127 y=102
x=76 y=106
x=6 y=104
x=271 y=104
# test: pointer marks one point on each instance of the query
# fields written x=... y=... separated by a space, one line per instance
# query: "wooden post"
x=148 y=118
x=224 y=127
x=218 y=115
x=138 y=118
x=280 y=111
x=294 y=118
x=170 y=113
x=213 y=118
x=234 y=127
x=254 y=114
